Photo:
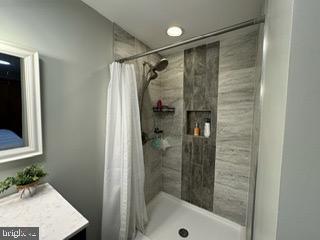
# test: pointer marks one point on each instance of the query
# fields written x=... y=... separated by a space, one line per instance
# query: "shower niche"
x=197 y=117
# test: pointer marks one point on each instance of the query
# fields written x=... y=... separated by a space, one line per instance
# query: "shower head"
x=160 y=66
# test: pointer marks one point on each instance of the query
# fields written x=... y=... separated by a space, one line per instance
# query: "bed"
x=8 y=140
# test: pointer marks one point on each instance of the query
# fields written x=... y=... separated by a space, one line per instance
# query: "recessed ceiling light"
x=174 y=31
x=4 y=62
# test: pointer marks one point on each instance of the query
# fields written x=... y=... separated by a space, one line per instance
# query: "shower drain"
x=183 y=232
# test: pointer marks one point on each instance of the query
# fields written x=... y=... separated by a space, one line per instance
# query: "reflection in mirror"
x=11 y=103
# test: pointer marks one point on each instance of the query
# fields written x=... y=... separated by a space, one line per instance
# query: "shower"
x=148 y=76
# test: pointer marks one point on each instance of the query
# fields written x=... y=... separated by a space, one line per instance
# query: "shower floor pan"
x=173 y=219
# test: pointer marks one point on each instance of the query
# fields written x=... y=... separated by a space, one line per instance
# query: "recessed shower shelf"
x=164 y=110
x=193 y=136
x=196 y=117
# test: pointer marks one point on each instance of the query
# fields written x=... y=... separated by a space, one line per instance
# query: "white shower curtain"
x=124 y=208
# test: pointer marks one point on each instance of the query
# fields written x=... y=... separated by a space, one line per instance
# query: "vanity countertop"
x=47 y=209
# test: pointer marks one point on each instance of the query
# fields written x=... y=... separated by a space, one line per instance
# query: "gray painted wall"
x=75 y=46
x=299 y=210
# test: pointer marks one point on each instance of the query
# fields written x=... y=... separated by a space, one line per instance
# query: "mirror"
x=20 y=114
x=11 y=112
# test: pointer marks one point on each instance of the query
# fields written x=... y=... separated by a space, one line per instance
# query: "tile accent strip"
x=200 y=100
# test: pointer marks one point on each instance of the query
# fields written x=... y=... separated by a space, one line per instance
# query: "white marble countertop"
x=47 y=209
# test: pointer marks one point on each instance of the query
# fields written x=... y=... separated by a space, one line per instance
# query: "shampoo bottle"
x=196 y=130
x=207 y=128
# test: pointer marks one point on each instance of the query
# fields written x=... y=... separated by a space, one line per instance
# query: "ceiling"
x=148 y=20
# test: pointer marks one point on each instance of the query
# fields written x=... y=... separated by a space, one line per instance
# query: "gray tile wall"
x=238 y=128
x=171 y=123
x=126 y=45
x=237 y=83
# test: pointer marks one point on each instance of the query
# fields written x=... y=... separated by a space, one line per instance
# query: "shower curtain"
x=124 y=208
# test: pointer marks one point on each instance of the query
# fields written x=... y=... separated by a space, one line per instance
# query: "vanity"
x=56 y=218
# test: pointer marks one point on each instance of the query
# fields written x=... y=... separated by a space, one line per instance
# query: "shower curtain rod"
x=245 y=24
